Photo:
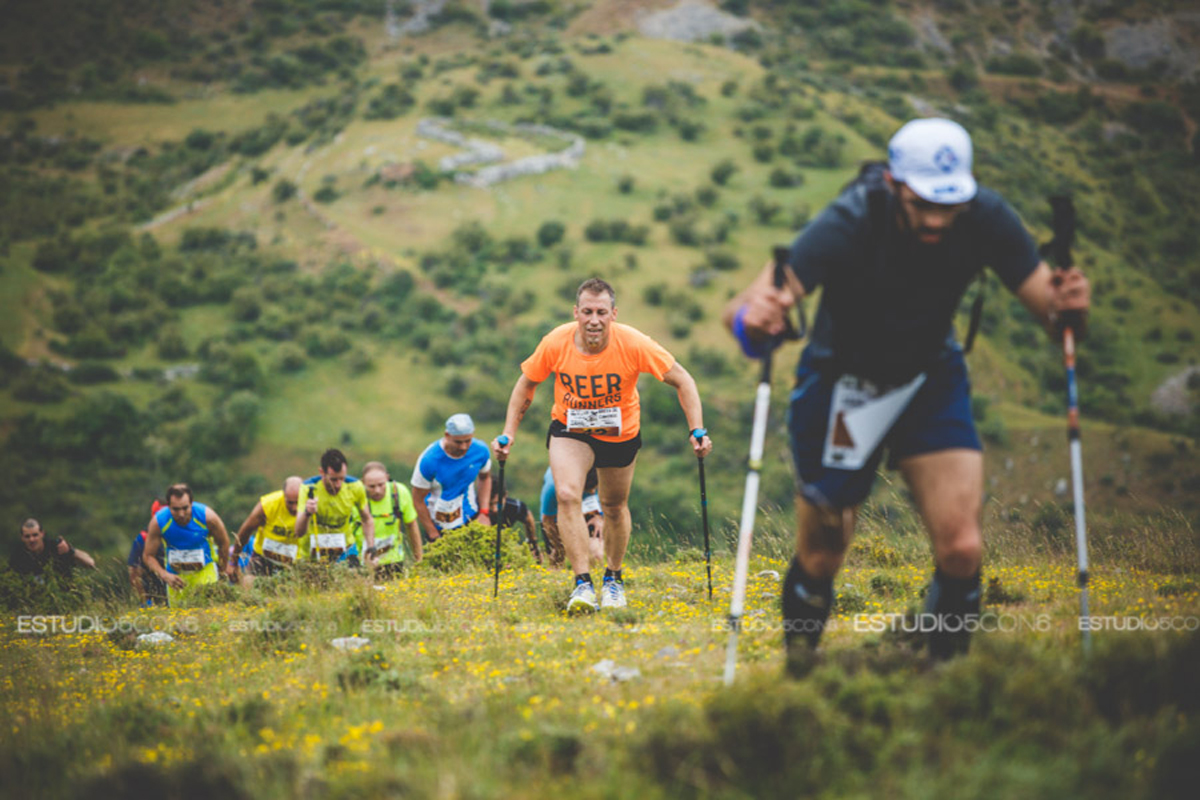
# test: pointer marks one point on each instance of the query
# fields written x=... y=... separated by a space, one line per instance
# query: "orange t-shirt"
x=597 y=394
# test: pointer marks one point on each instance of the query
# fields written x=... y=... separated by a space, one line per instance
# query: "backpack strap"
x=976 y=312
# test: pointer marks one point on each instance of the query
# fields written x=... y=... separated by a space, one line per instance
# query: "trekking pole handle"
x=781 y=255
x=699 y=433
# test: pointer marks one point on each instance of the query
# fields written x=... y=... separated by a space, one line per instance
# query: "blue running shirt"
x=451 y=482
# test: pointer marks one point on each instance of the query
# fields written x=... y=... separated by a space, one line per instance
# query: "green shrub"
x=88 y=373
x=550 y=233
x=1021 y=64
x=474 y=546
x=40 y=385
x=283 y=190
x=290 y=357
x=723 y=171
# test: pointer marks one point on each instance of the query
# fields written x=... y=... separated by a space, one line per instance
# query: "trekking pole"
x=1060 y=250
x=503 y=440
x=699 y=434
x=758 y=435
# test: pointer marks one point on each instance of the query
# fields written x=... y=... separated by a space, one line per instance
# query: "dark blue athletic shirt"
x=896 y=311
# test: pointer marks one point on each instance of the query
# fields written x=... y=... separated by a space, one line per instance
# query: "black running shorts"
x=608 y=454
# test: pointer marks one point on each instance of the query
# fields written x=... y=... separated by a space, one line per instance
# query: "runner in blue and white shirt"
x=452 y=482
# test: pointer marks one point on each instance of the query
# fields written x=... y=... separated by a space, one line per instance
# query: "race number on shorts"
x=280 y=552
x=185 y=560
x=329 y=543
x=594 y=421
x=859 y=417
x=448 y=513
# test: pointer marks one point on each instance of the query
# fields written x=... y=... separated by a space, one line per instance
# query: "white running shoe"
x=583 y=599
x=612 y=595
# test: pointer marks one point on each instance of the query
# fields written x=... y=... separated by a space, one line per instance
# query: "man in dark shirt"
x=515 y=511
x=36 y=553
x=882 y=371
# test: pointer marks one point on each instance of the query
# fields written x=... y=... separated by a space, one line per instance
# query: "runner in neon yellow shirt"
x=392 y=506
x=276 y=545
x=331 y=504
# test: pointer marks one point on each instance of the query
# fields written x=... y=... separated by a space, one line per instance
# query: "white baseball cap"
x=460 y=425
x=933 y=158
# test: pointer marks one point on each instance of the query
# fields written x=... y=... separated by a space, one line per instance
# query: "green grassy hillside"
x=454 y=694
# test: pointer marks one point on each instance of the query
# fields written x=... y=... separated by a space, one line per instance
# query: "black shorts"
x=607 y=454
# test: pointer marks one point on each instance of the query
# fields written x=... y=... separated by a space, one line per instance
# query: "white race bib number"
x=860 y=416
x=280 y=552
x=448 y=513
x=591 y=504
x=327 y=544
x=185 y=560
x=383 y=545
x=594 y=421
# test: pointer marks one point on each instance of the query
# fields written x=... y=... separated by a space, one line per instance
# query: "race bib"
x=383 y=545
x=591 y=504
x=185 y=560
x=860 y=416
x=329 y=543
x=280 y=552
x=448 y=513
x=594 y=421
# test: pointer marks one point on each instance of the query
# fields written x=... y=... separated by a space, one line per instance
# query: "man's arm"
x=306 y=511
x=414 y=541
x=84 y=558
x=368 y=526
x=423 y=515
x=766 y=306
x=256 y=520
x=219 y=533
x=689 y=401
x=153 y=542
x=1049 y=295
x=483 y=493
x=518 y=404
x=64 y=549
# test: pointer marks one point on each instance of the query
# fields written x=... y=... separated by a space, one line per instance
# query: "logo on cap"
x=945 y=159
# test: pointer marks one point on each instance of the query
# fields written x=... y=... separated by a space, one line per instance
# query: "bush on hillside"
x=473 y=546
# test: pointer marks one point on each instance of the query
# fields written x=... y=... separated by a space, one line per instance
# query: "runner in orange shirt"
x=596 y=422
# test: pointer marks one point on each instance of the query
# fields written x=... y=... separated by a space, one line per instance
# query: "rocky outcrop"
x=477 y=151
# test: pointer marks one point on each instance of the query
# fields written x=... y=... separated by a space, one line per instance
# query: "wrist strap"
x=750 y=348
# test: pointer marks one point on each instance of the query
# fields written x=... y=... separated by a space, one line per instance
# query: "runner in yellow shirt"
x=273 y=525
x=391 y=505
x=330 y=505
